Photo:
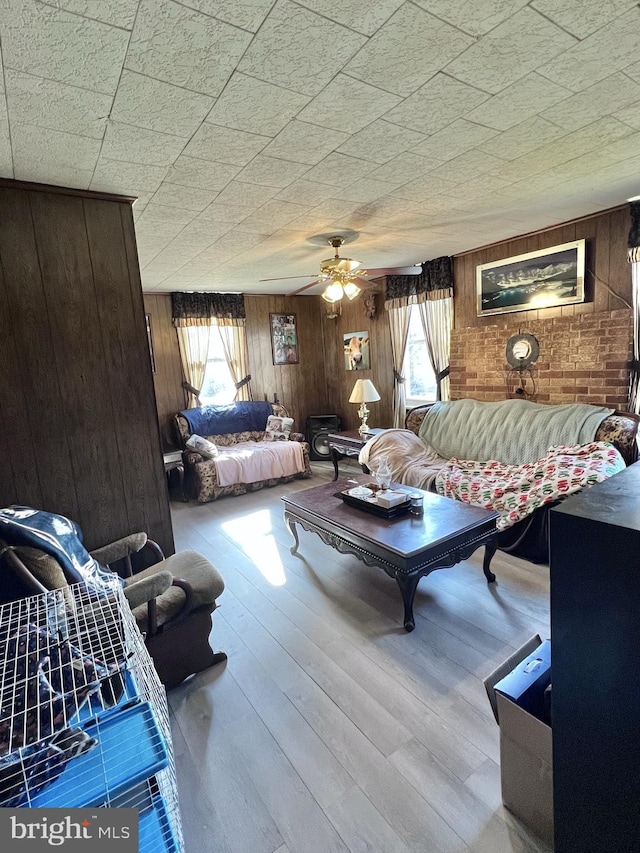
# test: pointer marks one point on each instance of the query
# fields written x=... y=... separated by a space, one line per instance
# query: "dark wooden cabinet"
x=78 y=424
x=595 y=636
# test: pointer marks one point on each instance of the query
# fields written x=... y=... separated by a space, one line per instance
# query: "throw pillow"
x=278 y=429
x=202 y=446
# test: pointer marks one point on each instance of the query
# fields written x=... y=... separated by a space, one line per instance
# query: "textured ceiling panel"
x=252 y=130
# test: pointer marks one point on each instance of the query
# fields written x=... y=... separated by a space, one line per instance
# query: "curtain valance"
x=633 y=255
x=435 y=281
x=200 y=309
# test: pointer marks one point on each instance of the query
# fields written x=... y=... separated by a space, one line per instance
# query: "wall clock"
x=522 y=350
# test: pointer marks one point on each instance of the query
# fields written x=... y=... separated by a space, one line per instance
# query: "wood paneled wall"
x=79 y=431
x=340 y=381
x=607 y=279
x=167 y=380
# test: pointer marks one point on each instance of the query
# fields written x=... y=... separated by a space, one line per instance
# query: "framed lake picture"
x=284 y=338
x=541 y=279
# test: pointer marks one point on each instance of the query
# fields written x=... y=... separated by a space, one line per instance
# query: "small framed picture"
x=284 y=339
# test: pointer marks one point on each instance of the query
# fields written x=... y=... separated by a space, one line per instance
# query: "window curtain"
x=234 y=343
x=194 y=316
x=399 y=327
x=193 y=342
x=432 y=291
x=634 y=259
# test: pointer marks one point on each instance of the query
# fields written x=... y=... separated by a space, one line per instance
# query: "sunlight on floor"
x=254 y=536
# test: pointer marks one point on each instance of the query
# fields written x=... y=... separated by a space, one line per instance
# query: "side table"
x=348 y=443
x=173 y=462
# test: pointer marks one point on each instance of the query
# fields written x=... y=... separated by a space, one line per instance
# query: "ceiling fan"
x=345 y=276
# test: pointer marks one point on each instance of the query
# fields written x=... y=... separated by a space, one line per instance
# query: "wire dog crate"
x=83 y=716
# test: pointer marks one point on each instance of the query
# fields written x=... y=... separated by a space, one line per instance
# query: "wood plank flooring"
x=330 y=729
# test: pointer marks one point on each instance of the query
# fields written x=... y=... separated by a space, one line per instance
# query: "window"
x=218 y=386
x=420 y=380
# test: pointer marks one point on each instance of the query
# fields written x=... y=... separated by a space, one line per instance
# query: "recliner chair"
x=172 y=598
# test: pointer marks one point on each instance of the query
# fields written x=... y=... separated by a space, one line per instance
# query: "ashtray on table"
x=385 y=503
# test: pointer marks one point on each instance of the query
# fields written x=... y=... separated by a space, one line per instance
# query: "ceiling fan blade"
x=300 y=289
x=362 y=282
x=285 y=277
x=395 y=271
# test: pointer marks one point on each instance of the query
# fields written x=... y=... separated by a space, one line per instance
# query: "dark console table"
x=349 y=443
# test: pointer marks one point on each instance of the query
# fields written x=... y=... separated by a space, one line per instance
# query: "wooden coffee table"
x=408 y=547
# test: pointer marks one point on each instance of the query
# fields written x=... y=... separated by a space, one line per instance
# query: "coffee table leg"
x=291 y=526
x=408 y=585
x=489 y=550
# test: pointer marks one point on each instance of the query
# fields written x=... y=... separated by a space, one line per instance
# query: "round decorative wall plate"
x=522 y=350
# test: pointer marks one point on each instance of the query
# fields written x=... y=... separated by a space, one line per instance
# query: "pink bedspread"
x=515 y=491
x=253 y=461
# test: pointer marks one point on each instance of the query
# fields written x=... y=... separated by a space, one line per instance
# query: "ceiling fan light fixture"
x=351 y=290
x=333 y=292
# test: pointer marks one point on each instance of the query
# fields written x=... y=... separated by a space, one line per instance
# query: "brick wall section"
x=583 y=358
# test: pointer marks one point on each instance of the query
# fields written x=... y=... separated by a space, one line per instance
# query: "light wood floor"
x=330 y=728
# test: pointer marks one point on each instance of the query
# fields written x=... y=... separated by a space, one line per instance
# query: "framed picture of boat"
x=541 y=279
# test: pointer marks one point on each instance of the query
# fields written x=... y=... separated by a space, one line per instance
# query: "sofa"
x=242 y=445
x=515 y=456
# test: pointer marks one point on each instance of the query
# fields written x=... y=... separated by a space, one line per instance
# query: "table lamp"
x=363 y=392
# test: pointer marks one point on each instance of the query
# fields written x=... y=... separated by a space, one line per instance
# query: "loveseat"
x=239 y=435
x=515 y=456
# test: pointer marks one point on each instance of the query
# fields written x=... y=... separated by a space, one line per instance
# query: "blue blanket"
x=61 y=539
x=244 y=416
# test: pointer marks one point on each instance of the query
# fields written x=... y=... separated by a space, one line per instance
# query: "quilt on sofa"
x=515 y=491
x=253 y=461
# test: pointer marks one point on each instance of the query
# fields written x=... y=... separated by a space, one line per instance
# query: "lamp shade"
x=364 y=392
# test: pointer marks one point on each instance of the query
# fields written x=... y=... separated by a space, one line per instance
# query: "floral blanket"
x=515 y=491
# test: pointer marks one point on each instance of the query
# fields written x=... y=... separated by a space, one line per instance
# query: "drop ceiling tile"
x=34 y=150
x=299 y=50
x=364 y=16
x=60 y=46
x=193 y=172
x=306 y=192
x=201 y=232
x=405 y=167
x=229 y=214
x=465 y=167
x=119 y=13
x=507 y=53
x=524 y=137
x=630 y=115
x=225 y=145
x=251 y=196
x=247 y=14
x=609 y=49
x=184 y=47
x=380 y=142
x=522 y=99
x=424 y=188
x=48 y=104
x=271 y=216
x=159 y=215
x=256 y=106
x=1 y=74
x=407 y=51
x=339 y=170
x=366 y=190
x=348 y=105
x=304 y=143
x=188 y=198
x=271 y=172
x=621 y=149
x=485 y=14
x=458 y=137
x=582 y=19
x=112 y=173
x=601 y=99
x=137 y=145
x=436 y=105
x=155 y=105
